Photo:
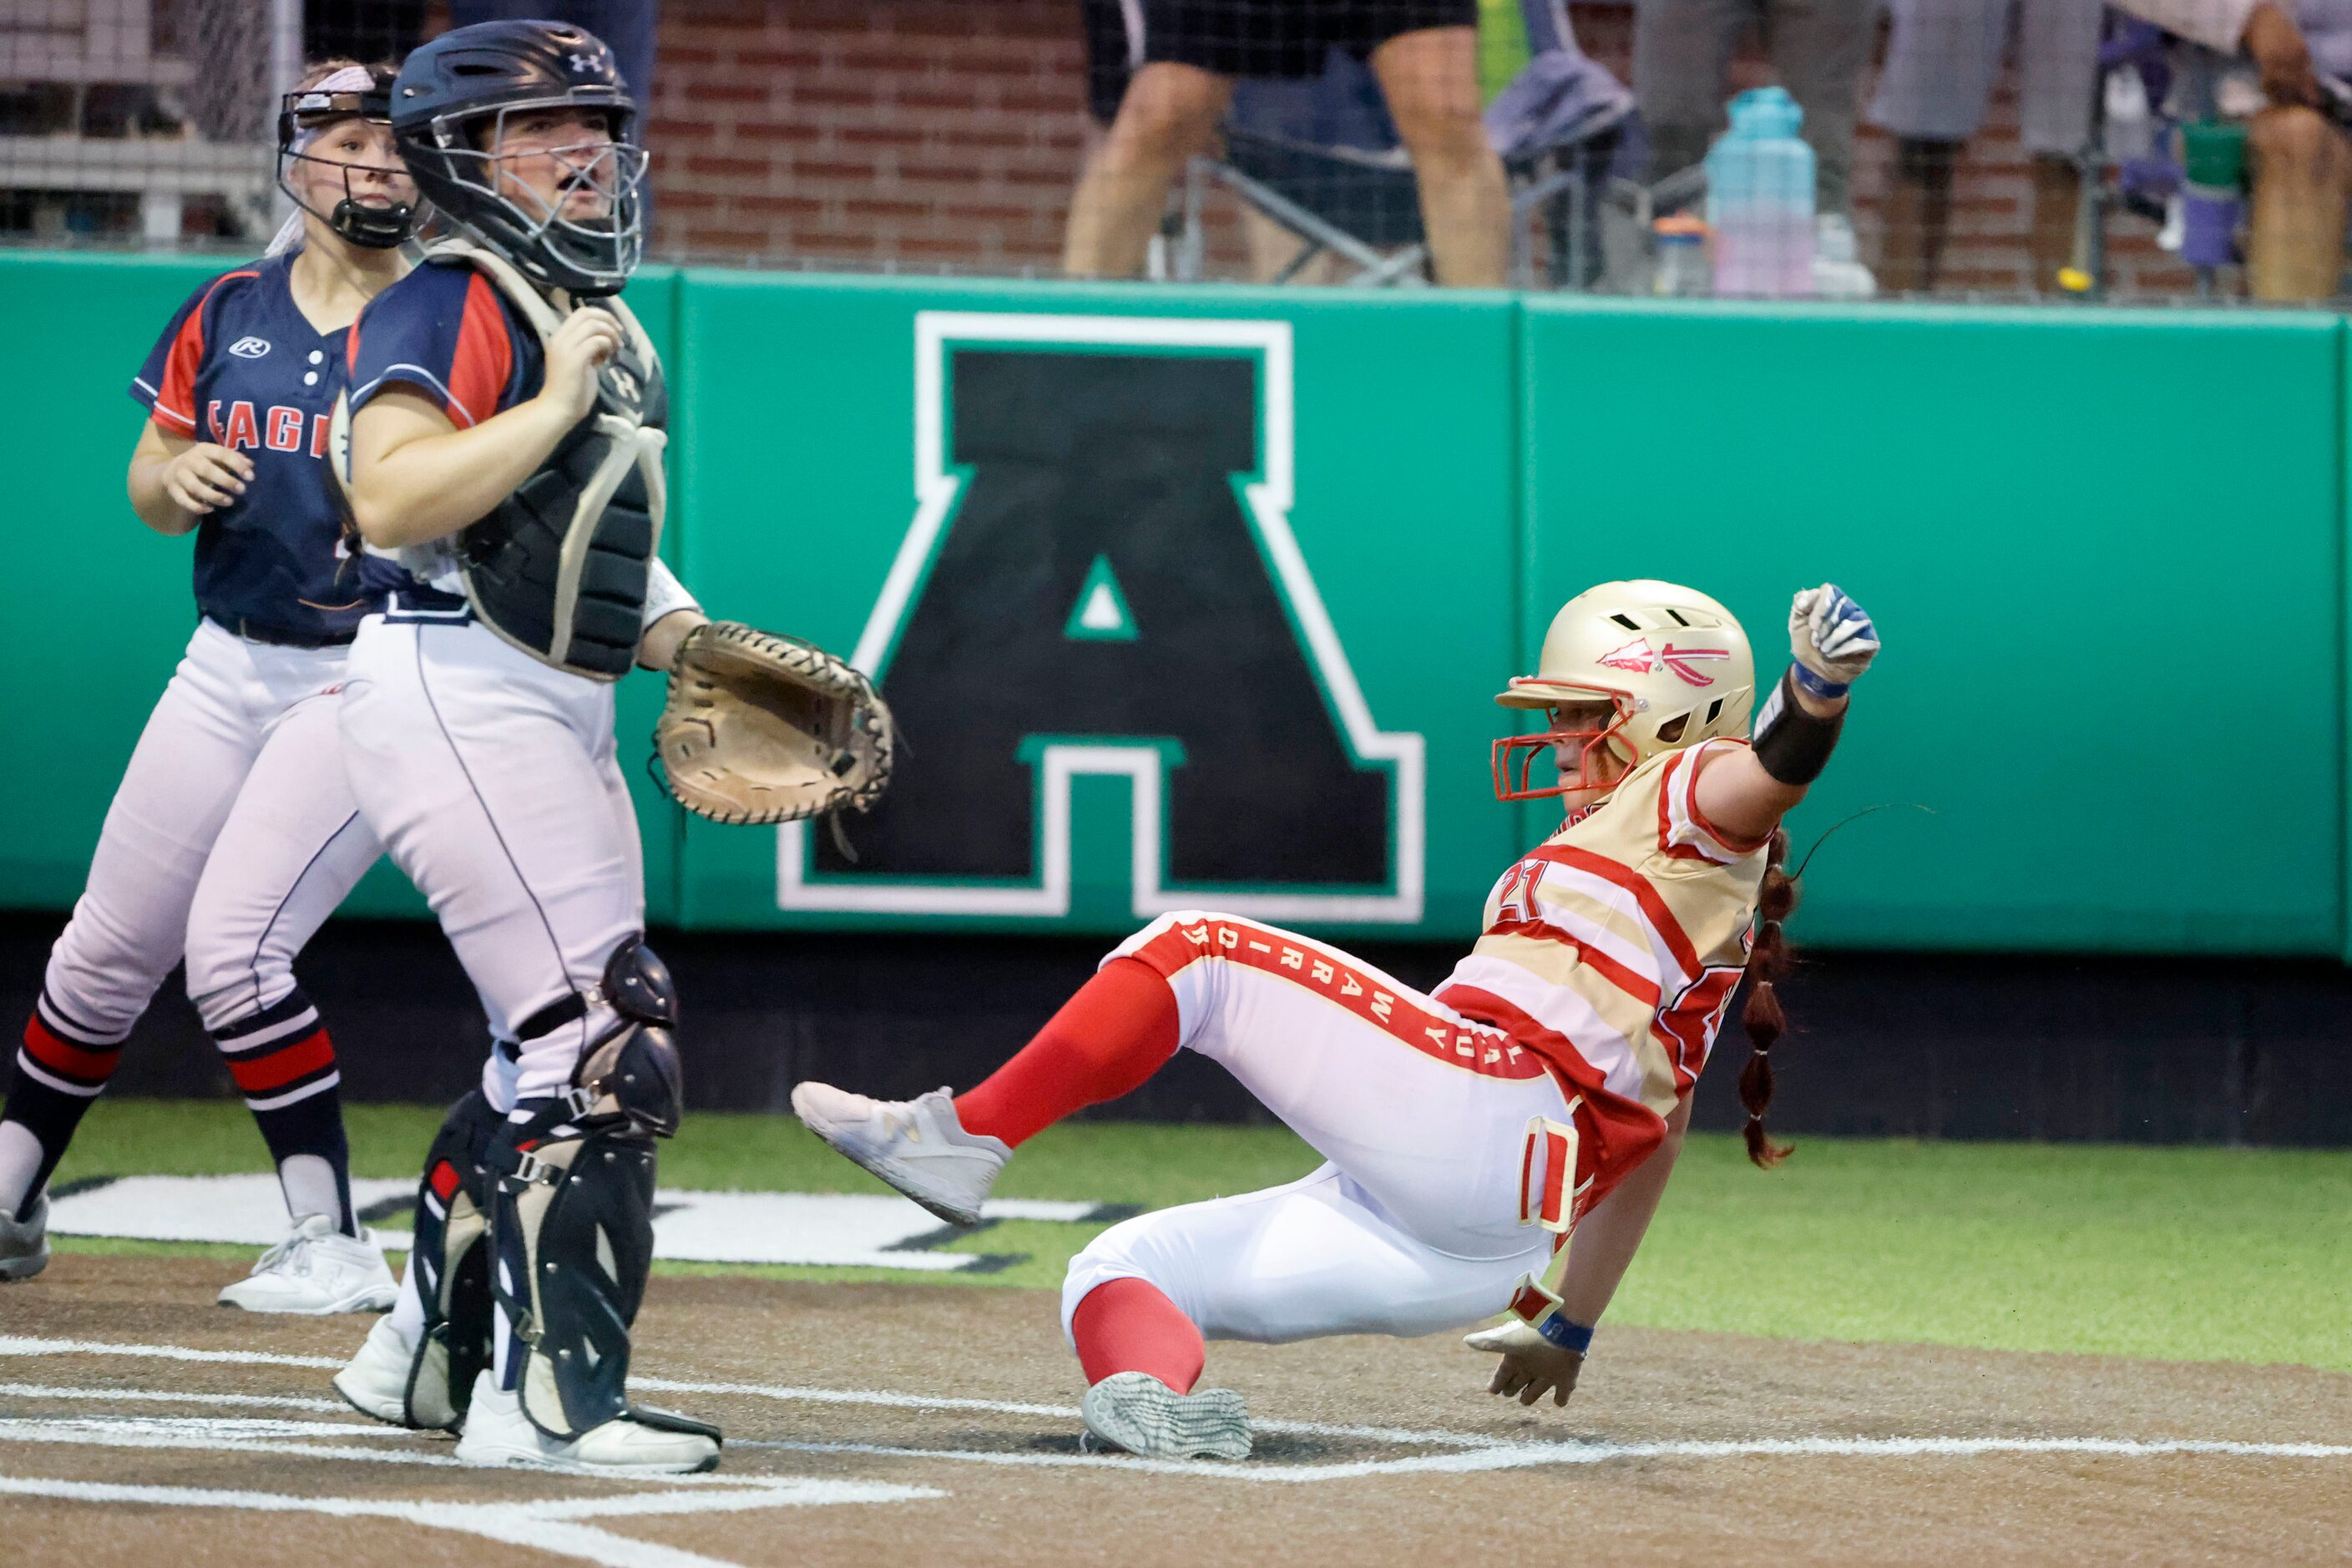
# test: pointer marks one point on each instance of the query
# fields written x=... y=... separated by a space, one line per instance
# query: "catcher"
x=499 y=442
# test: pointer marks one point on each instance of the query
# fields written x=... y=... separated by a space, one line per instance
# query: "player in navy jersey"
x=234 y=834
x=505 y=426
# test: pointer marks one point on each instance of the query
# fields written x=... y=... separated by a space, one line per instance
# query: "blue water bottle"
x=1759 y=199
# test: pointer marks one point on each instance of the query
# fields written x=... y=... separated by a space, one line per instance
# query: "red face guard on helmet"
x=1515 y=755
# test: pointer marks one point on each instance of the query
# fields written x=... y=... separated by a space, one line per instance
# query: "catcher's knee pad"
x=632 y=1072
x=629 y=1075
x=574 y=1241
x=452 y=1265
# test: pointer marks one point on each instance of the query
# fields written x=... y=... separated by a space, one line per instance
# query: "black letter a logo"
x=1101 y=579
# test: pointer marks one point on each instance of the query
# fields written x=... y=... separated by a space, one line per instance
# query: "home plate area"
x=876 y=1424
x=839 y=1229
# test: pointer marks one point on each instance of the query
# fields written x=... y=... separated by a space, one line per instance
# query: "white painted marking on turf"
x=548 y=1527
x=1062 y=1412
x=839 y=1229
x=171 y=1397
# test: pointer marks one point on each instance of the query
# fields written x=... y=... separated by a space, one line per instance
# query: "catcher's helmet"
x=1672 y=663
x=449 y=87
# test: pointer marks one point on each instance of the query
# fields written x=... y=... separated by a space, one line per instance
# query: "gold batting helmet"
x=1674 y=664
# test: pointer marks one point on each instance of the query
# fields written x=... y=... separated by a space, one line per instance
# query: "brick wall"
x=945 y=134
x=927 y=132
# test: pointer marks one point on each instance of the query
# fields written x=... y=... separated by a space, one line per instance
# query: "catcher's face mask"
x=337 y=162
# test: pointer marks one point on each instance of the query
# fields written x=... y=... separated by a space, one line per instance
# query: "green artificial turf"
x=2183 y=1254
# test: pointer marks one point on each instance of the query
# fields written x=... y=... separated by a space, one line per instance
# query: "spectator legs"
x=1919 y=215
x=1819 y=49
x=1681 y=51
x=2057 y=204
x=1431 y=79
x=1169 y=112
x=2302 y=170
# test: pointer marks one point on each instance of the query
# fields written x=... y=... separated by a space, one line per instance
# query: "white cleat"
x=377 y=1382
x=1136 y=1412
x=317 y=1270
x=916 y=1145
x=499 y=1433
x=24 y=1244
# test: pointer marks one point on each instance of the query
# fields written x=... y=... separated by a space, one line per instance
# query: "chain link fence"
x=1848 y=148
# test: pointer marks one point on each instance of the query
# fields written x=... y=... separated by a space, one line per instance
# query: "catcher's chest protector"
x=558 y=570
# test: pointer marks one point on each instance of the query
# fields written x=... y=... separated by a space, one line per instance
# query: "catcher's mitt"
x=761 y=728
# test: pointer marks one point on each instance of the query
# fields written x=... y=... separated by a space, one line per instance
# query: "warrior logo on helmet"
x=1641 y=659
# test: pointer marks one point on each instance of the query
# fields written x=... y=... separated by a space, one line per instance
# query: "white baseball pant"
x=231 y=839
x=492 y=780
x=1420 y=1220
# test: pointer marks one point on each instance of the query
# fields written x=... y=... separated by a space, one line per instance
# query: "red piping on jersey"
x=483 y=361
x=179 y=366
x=1662 y=918
x=1615 y=1133
x=1639 y=986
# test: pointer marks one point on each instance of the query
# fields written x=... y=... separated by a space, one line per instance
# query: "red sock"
x=1129 y=1325
x=1106 y=1040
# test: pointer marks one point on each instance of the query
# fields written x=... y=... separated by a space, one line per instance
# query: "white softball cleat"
x=316 y=1271
x=916 y=1145
x=1136 y=1412
x=499 y=1433
x=25 y=1243
x=376 y=1382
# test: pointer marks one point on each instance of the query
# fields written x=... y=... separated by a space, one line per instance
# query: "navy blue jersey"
x=446 y=331
x=239 y=367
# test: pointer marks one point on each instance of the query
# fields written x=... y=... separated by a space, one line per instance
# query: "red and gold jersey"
x=1612 y=950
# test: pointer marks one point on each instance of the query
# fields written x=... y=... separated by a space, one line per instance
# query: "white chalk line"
x=1526 y=1455
x=553 y=1528
x=1472 y=1452
x=27 y=1345
x=890 y=1400
x=174 y=1396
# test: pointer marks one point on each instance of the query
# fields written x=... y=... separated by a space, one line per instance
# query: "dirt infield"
x=885 y=1424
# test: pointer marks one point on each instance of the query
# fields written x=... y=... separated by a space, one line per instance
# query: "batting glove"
x=1832 y=637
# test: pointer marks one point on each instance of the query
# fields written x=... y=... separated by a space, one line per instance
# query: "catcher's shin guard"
x=573 y=1212
x=453 y=1280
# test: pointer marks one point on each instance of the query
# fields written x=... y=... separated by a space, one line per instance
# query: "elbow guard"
x=1793 y=745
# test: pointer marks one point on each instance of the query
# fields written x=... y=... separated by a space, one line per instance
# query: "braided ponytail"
x=1769 y=963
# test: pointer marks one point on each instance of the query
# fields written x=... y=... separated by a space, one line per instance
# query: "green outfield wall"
x=1198 y=596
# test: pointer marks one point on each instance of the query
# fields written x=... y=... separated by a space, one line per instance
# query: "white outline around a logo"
x=1269 y=500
